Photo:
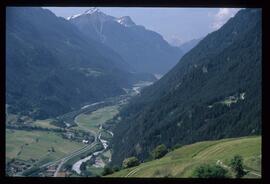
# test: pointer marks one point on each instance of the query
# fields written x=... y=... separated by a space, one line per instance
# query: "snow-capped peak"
x=92 y=10
x=95 y=14
x=125 y=20
x=74 y=16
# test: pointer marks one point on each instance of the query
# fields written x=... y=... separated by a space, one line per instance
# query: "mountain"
x=174 y=40
x=145 y=50
x=51 y=67
x=213 y=92
x=187 y=46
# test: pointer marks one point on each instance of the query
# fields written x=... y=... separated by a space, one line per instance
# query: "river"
x=76 y=166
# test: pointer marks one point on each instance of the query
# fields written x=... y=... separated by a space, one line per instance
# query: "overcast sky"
x=177 y=25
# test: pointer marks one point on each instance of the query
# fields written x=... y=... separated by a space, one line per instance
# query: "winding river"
x=76 y=166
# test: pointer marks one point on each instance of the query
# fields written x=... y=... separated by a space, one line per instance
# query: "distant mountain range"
x=144 y=50
x=51 y=67
x=214 y=92
x=187 y=46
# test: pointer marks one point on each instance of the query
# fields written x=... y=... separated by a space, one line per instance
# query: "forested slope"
x=213 y=92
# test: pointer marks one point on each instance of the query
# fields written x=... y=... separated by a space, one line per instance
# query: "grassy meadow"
x=38 y=145
x=182 y=161
x=92 y=120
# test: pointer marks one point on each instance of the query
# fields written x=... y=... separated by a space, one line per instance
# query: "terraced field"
x=182 y=161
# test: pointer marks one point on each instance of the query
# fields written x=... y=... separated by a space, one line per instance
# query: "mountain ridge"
x=144 y=50
x=190 y=103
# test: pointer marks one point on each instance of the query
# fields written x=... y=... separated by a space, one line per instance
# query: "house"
x=67 y=124
x=52 y=168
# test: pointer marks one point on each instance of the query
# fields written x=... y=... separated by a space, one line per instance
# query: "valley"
x=47 y=148
x=98 y=95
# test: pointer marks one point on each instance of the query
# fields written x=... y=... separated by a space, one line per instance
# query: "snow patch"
x=92 y=10
x=125 y=21
x=158 y=76
x=87 y=12
x=74 y=16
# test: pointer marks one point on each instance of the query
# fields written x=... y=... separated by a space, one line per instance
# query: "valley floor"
x=42 y=148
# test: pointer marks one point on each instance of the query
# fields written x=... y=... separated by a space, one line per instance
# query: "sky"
x=176 y=25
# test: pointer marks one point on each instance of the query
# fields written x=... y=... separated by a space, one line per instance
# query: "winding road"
x=227 y=167
x=97 y=136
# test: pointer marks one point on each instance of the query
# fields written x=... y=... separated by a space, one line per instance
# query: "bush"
x=236 y=164
x=107 y=170
x=68 y=167
x=86 y=173
x=159 y=151
x=115 y=169
x=210 y=171
x=176 y=146
x=163 y=172
x=83 y=166
x=130 y=162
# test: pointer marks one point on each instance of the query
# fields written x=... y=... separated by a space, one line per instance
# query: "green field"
x=45 y=124
x=182 y=161
x=107 y=154
x=13 y=119
x=95 y=171
x=105 y=135
x=25 y=145
x=92 y=121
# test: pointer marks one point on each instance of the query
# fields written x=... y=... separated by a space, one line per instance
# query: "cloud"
x=222 y=16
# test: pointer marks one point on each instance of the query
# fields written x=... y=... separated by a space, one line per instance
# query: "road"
x=132 y=172
x=227 y=167
x=58 y=168
x=76 y=166
x=63 y=160
x=136 y=89
x=66 y=158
